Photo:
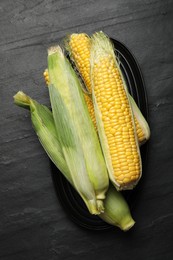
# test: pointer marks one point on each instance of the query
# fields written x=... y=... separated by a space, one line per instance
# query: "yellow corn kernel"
x=46 y=77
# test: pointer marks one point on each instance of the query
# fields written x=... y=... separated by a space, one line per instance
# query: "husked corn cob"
x=79 y=47
x=116 y=211
x=79 y=140
x=114 y=116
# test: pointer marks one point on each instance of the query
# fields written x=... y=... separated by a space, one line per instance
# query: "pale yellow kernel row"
x=90 y=106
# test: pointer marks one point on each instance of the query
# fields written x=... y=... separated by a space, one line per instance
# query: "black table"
x=33 y=224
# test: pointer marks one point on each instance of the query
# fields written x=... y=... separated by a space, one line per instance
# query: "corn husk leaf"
x=72 y=110
x=141 y=120
x=44 y=126
x=72 y=150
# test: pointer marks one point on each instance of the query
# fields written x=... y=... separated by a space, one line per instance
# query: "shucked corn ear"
x=116 y=210
x=78 y=138
x=79 y=47
x=142 y=127
x=114 y=115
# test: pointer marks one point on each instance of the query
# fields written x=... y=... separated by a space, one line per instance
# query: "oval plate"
x=68 y=197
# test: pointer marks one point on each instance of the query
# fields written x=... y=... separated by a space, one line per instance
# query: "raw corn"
x=116 y=211
x=79 y=48
x=78 y=138
x=114 y=115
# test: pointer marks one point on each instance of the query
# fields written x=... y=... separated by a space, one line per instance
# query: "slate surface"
x=33 y=225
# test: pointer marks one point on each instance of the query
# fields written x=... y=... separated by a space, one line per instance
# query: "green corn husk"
x=78 y=138
x=116 y=210
x=44 y=126
x=141 y=120
x=73 y=153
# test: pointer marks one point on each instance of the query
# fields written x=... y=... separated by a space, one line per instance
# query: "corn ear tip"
x=54 y=49
x=66 y=44
x=67 y=47
x=22 y=100
x=66 y=41
x=20 y=95
x=68 y=38
x=101 y=43
x=16 y=95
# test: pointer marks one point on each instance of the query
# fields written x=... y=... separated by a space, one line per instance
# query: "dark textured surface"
x=32 y=223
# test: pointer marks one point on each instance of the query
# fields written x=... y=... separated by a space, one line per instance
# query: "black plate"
x=68 y=197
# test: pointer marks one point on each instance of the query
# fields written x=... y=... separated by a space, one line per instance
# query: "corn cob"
x=116 y=211
x=114 y=116
x=79 y=47
x=80 y=144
